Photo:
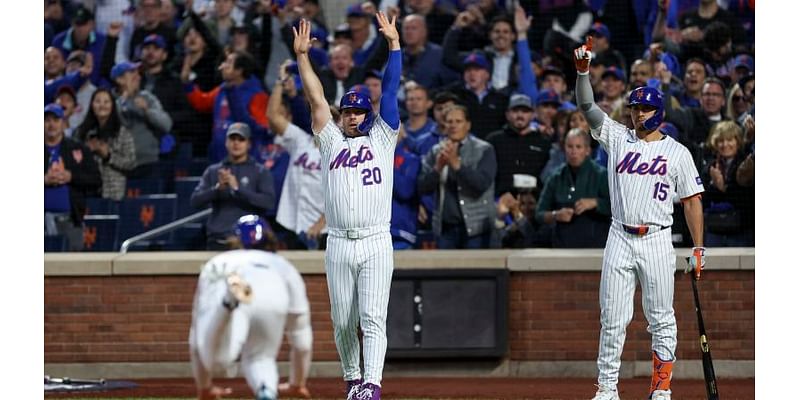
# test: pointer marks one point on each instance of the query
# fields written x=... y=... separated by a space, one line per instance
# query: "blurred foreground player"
x=244 y=300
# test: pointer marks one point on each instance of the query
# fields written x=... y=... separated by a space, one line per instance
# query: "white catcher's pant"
x=218 y=337
x=651 y=259
x=359 y=275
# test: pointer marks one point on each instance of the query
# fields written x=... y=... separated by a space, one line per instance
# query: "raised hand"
x=302 y=37
x=389 y=30
x=521 y=22
x=583 y=56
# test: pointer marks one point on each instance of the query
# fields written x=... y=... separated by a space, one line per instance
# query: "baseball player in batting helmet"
x=650 y=97
x=252 y=231
x=358 y=100
x=245 y=301
x=647 y=170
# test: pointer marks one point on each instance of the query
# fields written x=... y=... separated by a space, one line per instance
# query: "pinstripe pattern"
x=355 y=198
x=299 y=207
x=632 y=194
x=643 y=179
x=359 y=271
x=254 y=330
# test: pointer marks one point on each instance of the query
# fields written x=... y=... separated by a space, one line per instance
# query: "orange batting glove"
x=583 y=56
x=697 y=261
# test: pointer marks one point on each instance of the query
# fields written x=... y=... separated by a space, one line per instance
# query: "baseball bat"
x=72 y=381
x=708 y=364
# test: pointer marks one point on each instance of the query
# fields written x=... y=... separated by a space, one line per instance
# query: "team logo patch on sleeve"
x=698 y=180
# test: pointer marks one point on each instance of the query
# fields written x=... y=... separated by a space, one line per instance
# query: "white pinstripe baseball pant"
x=651 y=259
x=359 y=276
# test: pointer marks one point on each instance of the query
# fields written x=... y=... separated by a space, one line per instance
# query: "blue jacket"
x=97 y=40
x=404 y=198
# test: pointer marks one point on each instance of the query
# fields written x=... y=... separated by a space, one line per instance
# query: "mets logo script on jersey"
x=305 y=162
x=630 y=165
x=345 y=160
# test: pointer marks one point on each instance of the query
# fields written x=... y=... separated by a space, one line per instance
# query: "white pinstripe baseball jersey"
x=644 y=176
x=358 y=175
x=300 y=205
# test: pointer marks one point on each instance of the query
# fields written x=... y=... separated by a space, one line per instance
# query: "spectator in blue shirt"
x=422 y=60
x=70 y=175
x=404 y=195
x=418 y=106
x=83 y=36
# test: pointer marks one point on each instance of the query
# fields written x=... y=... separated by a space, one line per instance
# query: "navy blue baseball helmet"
x=652 y=97
x=252 y=231
x=359 y=100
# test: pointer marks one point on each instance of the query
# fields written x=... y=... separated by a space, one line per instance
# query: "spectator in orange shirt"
x=240 y=98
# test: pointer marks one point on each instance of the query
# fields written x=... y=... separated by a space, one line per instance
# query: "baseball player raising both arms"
x=649 y=168
x=357 y=174
x=243 y=302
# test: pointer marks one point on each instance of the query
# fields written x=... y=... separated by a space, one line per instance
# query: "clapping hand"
x=583 y=205
x=451 y=152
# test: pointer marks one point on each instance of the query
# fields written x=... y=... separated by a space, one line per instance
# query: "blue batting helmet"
x=652 y=97
x=358 y=99
x=251 y=231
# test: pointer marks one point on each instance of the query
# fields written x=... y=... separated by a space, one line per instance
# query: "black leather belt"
x=641 y=230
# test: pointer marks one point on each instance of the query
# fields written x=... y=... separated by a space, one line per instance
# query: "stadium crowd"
x=492 y=153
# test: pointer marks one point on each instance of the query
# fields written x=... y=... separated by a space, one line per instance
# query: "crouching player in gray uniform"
x=245 y=299
x=357 y=174
x=645 y=170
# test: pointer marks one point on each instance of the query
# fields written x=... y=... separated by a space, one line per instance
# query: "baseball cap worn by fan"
x=548 y=96
x=476 y=59
x=524 y=182
x=355 y=10
x=744 y=61
x=54 y=109
x=66 y=89
x=156 y=40
x=82 y=15
x=238 y=128
x=615 y=72
x=123 y=67
x=600 y=29
x=520 y=101
x=553 y=70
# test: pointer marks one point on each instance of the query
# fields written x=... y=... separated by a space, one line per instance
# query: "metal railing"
x=163 y=229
